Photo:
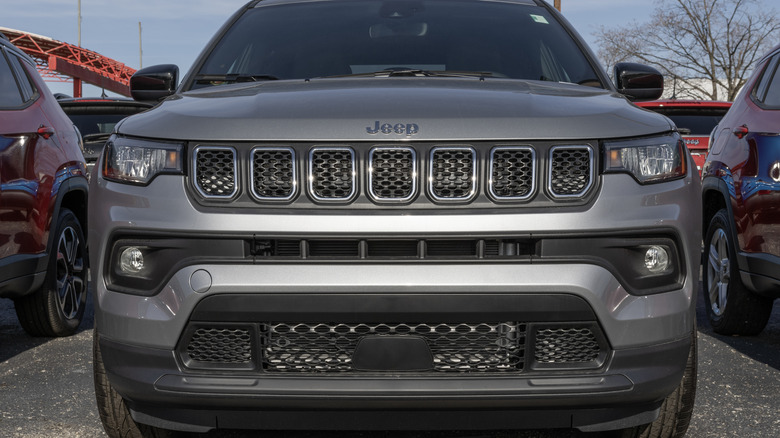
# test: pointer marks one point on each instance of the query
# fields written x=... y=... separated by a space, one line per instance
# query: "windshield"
x=412 y=38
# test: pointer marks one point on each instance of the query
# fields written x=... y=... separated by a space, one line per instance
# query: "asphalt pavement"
x=46 y=386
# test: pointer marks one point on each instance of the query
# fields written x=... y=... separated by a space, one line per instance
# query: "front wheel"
x=57 y=308
x=731 y=308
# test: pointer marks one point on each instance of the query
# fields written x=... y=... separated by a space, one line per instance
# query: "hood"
x=392 y=109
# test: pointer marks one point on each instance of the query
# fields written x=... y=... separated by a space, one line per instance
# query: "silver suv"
x=395 y=214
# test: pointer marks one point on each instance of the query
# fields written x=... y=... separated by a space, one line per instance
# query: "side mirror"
x=154 y=83
x=638 y=81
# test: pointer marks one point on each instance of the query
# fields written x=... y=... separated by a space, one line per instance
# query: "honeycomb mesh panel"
x=273 y=173
x=393 y=173
x=220 y=345
x=452 y=173
x=323 y=348
x=512 y=172
x=215 y=172
x=566 y=345
x=332 y=173
x=570 y=171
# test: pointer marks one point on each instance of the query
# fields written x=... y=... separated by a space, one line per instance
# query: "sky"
x=175 y=31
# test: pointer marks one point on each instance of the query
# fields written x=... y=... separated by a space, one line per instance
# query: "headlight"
x=648 y=160
x=139 y=161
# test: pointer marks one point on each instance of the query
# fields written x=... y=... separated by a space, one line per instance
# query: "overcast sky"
x=174 y=31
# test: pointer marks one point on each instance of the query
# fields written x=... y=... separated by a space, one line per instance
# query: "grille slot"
x=463 y=348
x=567 y=345
x=453 y=173
x=571 y=171
x=273 y=173
x=220 y=346
x=332 y=174
x=215 y=171
x=513 y=173
x=393 y=174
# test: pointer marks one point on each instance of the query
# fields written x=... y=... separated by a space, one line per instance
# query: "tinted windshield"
x=334 y=38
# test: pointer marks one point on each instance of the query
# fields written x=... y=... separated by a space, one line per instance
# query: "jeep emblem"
x=389 y=128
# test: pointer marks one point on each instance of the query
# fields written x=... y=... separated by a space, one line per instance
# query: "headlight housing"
x=648 y=160
x=135 y=161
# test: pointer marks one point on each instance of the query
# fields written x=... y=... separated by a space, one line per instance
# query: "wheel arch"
x=72 y=194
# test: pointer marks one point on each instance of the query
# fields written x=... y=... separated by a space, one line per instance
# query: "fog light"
x=656 y=259
x=132 y=260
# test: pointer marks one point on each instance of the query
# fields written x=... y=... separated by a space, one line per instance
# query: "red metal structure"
x=62 y=62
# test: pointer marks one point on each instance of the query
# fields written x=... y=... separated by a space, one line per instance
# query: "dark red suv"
x=43 y=199
x=695 y=119
x=741 y=194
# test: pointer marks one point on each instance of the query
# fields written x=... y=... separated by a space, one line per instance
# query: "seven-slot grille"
x=392 y=173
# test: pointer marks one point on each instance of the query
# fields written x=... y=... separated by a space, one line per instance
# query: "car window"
x=772 y=98
x=10 y=95
x=360 y=37
x=767 y=78
x=27 y=88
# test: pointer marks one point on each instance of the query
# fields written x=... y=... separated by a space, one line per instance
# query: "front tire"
x=56 y=309
x=731 y=308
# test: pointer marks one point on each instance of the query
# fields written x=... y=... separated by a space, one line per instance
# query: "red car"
x=741 y=200
x=695 y=119
x=43 y=202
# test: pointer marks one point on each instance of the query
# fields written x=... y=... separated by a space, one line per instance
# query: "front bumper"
x=627 y=392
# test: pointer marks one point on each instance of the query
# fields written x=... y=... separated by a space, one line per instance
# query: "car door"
x=28 y=151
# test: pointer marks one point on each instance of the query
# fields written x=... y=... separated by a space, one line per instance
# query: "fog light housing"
x=131 y=261
x=656 y=259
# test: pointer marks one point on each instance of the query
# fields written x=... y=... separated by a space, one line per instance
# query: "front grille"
x=452 y=173
x=571 y=173
x=215 y=171
x=273 y=173
x=408 y=175
x=301 y=347
x=332 y=174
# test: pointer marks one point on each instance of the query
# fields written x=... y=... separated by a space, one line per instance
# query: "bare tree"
x=705 y=47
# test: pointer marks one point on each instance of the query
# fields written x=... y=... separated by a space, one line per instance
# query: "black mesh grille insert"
x=452 y=173
x=512 y=172
x=332 y=173
x=570 y=170
x=273 y=173
x=566 y=345
x=393 y=173
x=215 y=171
x=319 y=347
x=220 y=346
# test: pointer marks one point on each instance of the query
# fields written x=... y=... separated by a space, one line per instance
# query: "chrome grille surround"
x=332 y=174
x=214 y=170
x=392 y=175
x=452 y=173
x=456 y=347
x=571 y=171
x=512 y=173
x=274 y=176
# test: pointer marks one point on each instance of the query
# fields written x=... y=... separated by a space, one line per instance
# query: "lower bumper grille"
x=299 y=347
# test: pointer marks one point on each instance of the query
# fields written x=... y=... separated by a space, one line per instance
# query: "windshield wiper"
x=233 y=78
x=96 y=136
x=415 y=72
